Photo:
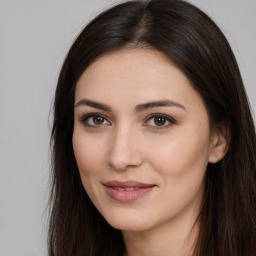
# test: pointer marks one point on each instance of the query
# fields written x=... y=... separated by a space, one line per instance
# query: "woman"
x=153 y=139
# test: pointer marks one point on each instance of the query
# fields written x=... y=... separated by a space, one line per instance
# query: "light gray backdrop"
x=34 y=38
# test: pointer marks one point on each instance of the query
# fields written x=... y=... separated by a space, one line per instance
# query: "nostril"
x=122 y=160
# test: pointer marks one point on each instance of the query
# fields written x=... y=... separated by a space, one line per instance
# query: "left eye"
x=159 y=121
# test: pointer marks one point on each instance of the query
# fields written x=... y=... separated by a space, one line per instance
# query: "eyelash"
x=167 y=119
x=85 y=119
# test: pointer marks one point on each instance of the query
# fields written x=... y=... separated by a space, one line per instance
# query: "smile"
x=128 y=191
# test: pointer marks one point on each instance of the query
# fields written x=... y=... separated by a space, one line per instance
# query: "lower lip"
x=126 y=196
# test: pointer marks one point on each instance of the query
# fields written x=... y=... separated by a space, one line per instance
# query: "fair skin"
x=142 y=143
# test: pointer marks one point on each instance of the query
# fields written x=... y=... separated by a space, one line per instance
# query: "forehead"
x=134 y=75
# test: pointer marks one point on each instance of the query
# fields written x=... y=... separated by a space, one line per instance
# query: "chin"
x=129 y=226
x=129 y=221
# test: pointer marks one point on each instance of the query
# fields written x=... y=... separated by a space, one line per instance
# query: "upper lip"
x=127 y=184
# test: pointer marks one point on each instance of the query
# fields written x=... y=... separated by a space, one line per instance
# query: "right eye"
x=94 y=120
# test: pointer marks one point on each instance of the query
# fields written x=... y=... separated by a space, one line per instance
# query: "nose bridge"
x=123 y=149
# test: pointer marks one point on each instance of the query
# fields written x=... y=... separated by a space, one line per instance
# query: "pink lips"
x=127 y=191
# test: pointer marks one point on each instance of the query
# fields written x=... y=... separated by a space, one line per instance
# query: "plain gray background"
x=34 y=38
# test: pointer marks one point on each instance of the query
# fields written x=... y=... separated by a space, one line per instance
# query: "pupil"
x=160 y=121
x=98 y=120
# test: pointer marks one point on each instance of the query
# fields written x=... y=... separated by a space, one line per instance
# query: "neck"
x=167 y=240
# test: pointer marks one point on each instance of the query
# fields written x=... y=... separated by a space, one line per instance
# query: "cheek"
x=88 y=155
x=89 y=158
x=182 y=154
x=182 y=164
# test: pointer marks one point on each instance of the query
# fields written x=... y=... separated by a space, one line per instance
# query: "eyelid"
x=85 y=118
x=168 y=118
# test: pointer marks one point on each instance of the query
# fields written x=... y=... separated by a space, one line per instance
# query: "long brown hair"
x=196 y=45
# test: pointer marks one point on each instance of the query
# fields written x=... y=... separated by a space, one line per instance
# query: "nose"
x=125 y=151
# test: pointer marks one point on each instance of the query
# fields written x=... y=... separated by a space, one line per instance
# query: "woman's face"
x=141 y=140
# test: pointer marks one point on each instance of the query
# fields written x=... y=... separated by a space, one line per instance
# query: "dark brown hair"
x=190 y=39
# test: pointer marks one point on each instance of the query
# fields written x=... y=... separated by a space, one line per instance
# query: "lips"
x=127 y=191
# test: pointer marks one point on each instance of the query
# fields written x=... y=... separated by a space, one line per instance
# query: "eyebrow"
x=138 y=108
x=162 y=103
x=94 y=104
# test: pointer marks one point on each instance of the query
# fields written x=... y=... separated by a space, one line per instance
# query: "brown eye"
x=98 y=120
x=159 y=121
x=94 y=120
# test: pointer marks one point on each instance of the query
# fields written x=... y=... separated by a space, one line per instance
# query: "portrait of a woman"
x=153 y=140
